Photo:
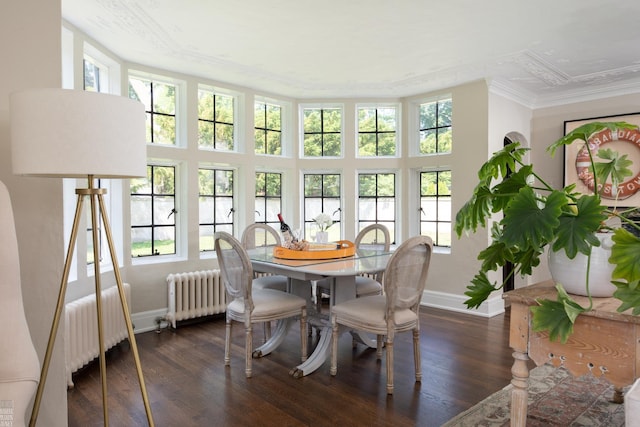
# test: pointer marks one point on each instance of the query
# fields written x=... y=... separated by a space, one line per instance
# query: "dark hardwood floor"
x=465 y=358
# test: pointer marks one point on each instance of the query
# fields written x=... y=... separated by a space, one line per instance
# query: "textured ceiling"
x=540 y=52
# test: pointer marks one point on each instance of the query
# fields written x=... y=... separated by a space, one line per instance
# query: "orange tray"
x=347 y=249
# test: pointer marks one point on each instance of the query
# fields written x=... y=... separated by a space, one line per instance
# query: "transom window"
x=377 y=200
x=435 y=127
x=268 y=198
x=322 y=195
x=322 y=129
x=435 y=206
x=153 y=212
x=377 y=131
x=159 y=99
x=268 y=128
x=215 y=120
x=215 y=204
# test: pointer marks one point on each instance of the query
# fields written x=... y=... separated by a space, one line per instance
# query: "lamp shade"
x=73 y=133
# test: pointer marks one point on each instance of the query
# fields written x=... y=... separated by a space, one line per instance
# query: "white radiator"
x=81 y=327
x=195 y=294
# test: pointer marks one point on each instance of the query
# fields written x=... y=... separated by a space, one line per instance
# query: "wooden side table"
x=604 y=342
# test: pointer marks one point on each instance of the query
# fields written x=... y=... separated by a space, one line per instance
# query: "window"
x=159 y=99
x=322 y=195
x=377 y=128
x=435 y=127
x=268 y=128
x=95 y=76
x=215 y=204
x=322 y=131
x=153 y=212
x=215 y=120
x=268 y=198
x=377 y=200
x=435 y=206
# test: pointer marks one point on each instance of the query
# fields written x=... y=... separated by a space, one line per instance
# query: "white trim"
x=453 y=302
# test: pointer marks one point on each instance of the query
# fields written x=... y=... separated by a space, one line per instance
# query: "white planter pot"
x=572 y=273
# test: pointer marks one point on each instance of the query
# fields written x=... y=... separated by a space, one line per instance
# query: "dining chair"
x=256 y=235
x=396 y=311
x=248 y=305
x=374 y=236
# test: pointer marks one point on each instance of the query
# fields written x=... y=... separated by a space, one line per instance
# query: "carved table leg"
x=520 y=382
x=618 y=395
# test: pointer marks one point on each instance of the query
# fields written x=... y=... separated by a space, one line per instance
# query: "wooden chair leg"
x=334 y=347
x=303 y=333
x=389 y=365
x=416 y=354
x=379 y=346
x=227 y=344
x=248 y=349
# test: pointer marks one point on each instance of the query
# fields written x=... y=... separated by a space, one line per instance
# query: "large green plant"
x=535 y=216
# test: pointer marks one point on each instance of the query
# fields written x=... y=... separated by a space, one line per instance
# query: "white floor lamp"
x=76 y=134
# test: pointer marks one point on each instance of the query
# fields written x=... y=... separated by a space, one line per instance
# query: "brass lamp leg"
x=93 y=193
x=125 y=310
x=58 y=312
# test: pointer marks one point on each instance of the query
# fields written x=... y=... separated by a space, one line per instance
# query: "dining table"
x=301 y=274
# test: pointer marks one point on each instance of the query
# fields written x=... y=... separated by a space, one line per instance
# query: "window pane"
x=206 y=238
x=224 y=109
x=165 y=243
x=313 y=185
x=367 y=210
x=332 y=120
x=386 y=209
x=260 y=141
x=386 y=185
x=164 y=98
x=331 y=184
x=312 y=145
x=367 y=144
x=274 y=185
x=274 y=207
x=164 y=129
x=387 y=144
x=140 y=210
x=311 y=120
x=435 y=127
x=206 y=210
x=367 y=185
x=140 y=242
x=224 y=136
x=366 y=119
x=444 y=183
x=332 y=145
x=205 y=134
x=162 y=210
x=444 y=234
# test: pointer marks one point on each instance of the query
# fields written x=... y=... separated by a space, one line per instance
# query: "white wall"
x=30 y=48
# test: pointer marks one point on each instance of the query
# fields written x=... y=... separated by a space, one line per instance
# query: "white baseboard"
x=454 y=302
x=146 y=321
